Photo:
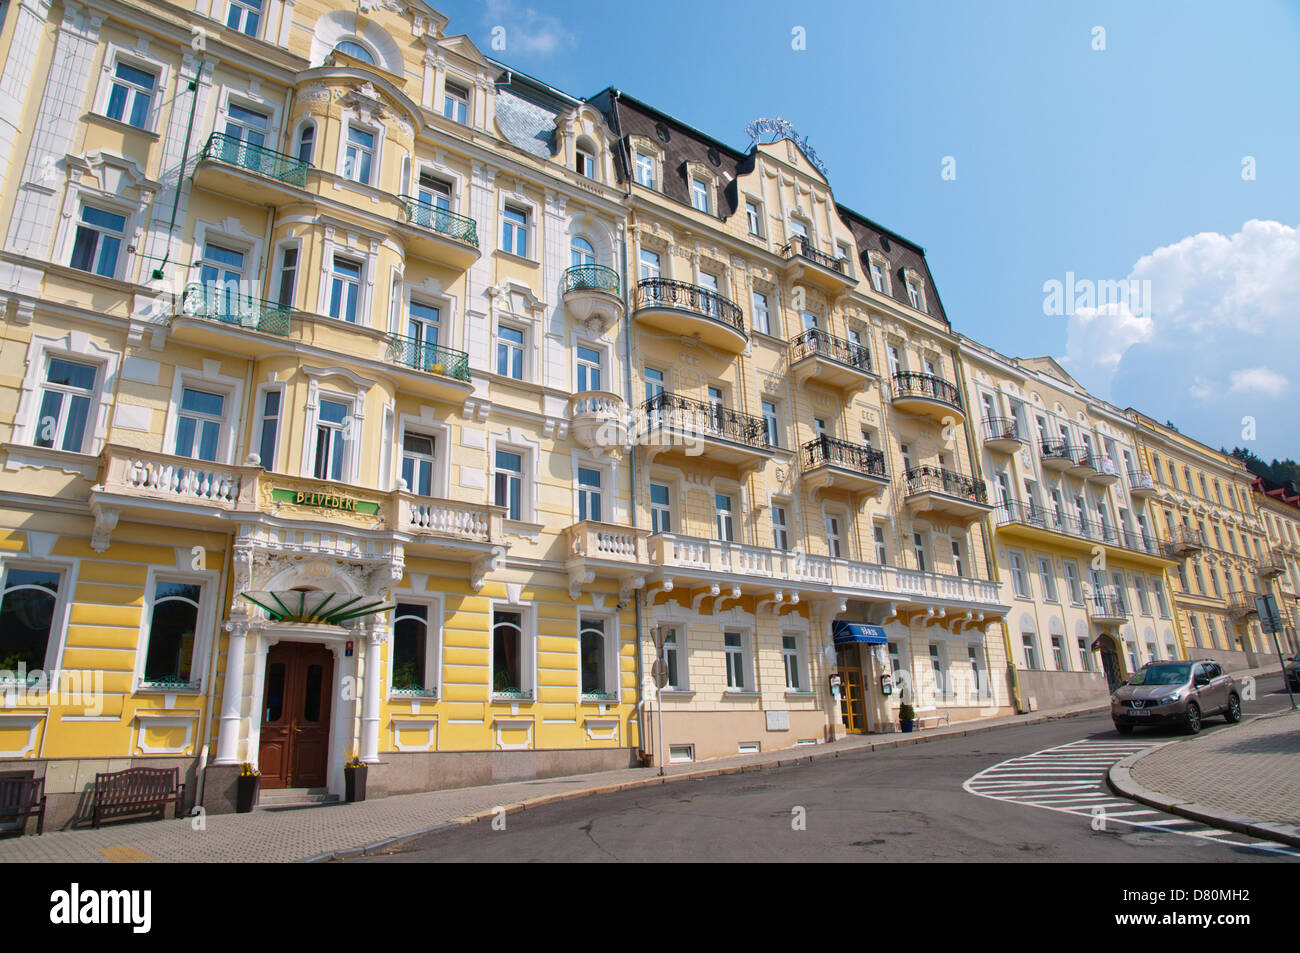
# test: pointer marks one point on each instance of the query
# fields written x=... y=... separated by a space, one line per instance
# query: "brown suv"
x=1176 y=693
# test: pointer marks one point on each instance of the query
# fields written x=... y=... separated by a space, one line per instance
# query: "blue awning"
x=849 y=632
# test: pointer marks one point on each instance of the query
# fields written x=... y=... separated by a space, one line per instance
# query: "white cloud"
x=1222 y=333
x=528 y=32
x=1260 y=379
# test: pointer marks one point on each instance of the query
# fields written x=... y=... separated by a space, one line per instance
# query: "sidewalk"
x=1246 y=779
x=322 y=832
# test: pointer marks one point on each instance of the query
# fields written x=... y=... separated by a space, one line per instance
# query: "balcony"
x=1271 y=565
x=1186 y=541
x=821 y=357
x=1107 y=609
x=219 y=318
x=237 y=169
x=1141 y=486
x=609 y=551
x=1002 y=434
x=694 y=428
x=439 y=234
x=1241 y=603
x=1035 y=523
x=444 y=371
x=598 y=420
x=679 y=308
x=805 y=264
x=930 y=489
x=827 y=462
x=927 y=396
x=592 y=292
x=1083 y=463
x=1056 y=455
x=1105 y=472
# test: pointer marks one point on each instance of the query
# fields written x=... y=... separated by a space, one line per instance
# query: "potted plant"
x=354 y=779
x=906 y=716
x=247 y=787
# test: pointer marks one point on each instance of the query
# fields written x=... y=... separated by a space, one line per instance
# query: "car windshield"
x=1162 y=674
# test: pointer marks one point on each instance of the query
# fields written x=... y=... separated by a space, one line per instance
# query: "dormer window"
x=879 y=269
x=700 y=195
x=645 y=170
x=455 y=102
x=754 y=217
x=585 y=159
x=915 y=292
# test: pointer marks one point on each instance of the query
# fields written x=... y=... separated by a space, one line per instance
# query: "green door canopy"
x=316 y=606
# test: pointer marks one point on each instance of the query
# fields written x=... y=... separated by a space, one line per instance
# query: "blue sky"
x=1114 y=164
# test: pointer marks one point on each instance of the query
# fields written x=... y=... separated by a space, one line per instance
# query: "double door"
x=294 y=748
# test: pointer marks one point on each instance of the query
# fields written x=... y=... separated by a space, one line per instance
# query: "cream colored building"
x=1278 y=506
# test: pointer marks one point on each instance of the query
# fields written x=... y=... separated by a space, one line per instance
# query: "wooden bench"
x=931 y=720
x=21 y=798
x=137 y=789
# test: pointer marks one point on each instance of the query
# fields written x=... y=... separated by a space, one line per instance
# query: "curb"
x=721 y=770
x=1120 y=779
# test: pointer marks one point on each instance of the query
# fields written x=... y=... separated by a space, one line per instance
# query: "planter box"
x=906 y=726
x=354 y=780
x=246 y=792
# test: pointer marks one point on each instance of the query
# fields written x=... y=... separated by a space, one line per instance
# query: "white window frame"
x=756 y=205
x=352 y=121
x=77 y=347
x=657 y=507
x=316 y=391
x=937 y=652
x=515 y=442
x=612 y=693
x=58 y=637
x=231 y=388
x=160 y=69
x=524 y=346
x=877 y=260
x=527 y=650
x=679 y=630
x=1019 y=574
x=520 y=204
x=259 y=423
x=433 y=635
x=208 y=581
x=467 y=102
x=78 y=199
x=797 y=656
x=426 y=426
x=746 y=660
x=261 y=17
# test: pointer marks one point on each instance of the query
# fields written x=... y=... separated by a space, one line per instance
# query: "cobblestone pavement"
x=291 y=835
x=1252 y=770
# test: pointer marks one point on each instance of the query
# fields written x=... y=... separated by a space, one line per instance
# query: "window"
x=1058 y=654
x=246 y=125
x=1085 y=655
x=654 y=383
x=200 y=424
x=288 y=276
x=1019 y=577
x=735 y=653
x=754 y=216
x=1031 y=651
x=979 y=684
x=833 y=536
x=173 y=622
x=345 y=288
x=99 y=238
x=359 y=156
x=672 y=661
x=28 y=601
x=1196 y=630
x=514 y=231
x=269 y=427
x=244 y=15
x=895 y=361
x=588 y=494
x=222 y=268
x=1139 y=584
x=726 y=527
x=455 y=102
x=770 y=423
x=700 y=195
x=645 y=170
x=418 y=460
x=914 y=296
x=798 y=229
x=509 y=675
x=762 y=313
x=434 y=192
x=585 y=163
x=1072 y=582
x=895 y=662
x=810 y=321
x=331 y=439
x=306 y=142
x=422 y=324
x=131 y=95
x=790 y=656
x=412 y=662
x=649 y=264
x=882 y=554
x=510 y=352
x=780 y=536
x=878 y=275
x=509 y=483
x=918 y=546
x=1048 y=578
x=65 y=405
x=940 y=669
x=593 y=659
x=588 y=370
x=661 y=514
x=957 y=567
x=581 y=253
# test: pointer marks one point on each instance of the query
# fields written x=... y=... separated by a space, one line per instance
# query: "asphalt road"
x=904 y=804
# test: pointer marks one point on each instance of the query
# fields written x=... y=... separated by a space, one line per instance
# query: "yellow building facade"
x=1278 y=505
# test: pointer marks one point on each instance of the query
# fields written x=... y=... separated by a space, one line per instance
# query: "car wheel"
x=1233 y=714
x=1193 y=722
x=1123 y=729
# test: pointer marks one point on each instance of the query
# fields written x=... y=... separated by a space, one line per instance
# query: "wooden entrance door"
x=294 y=750
x=1110 y=664
x=853 y=705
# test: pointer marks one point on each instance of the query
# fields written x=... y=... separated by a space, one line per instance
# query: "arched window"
x=170 y=656
x=306 y=141
x=581 y=252
x=507 y=649
x=355 y=50
x=592 y=657
x=27 y=605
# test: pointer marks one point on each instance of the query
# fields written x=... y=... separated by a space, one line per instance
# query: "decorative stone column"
x=374 y=636
x=233 y=698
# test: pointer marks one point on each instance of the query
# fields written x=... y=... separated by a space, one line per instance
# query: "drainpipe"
x=180 y=174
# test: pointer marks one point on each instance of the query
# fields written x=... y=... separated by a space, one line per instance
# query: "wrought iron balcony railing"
x=666 y=293
x=816 y=342
x=431 y=358
x=683 y=414
x=441 y=220
x=1141 y=480
x=931 y=479
x=225 y=304
x=1030 y=514
x=804 y=248
x=276 y=165
x=1107 y=606
x=828 y=451
x=590 y=278
x=1056 y=450
x=915 y=384
x=1001 y=428
x=1185 y=540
